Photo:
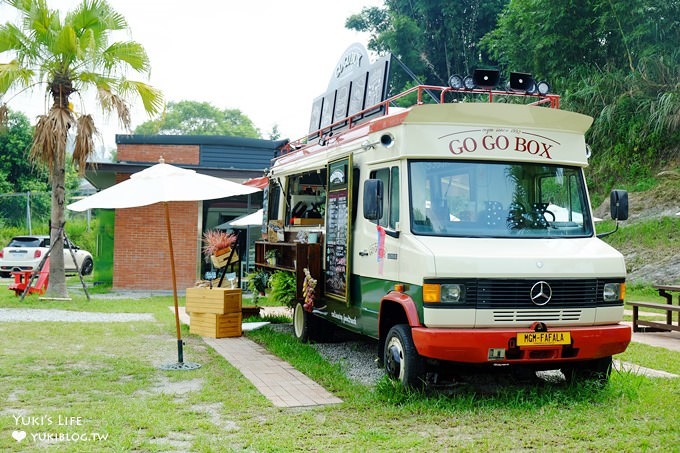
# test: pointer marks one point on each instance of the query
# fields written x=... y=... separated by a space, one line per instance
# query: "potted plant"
x=257 y=284
x=270 y=256
x=217 y=245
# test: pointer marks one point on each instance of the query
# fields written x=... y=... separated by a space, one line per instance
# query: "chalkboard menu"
x=338 y=208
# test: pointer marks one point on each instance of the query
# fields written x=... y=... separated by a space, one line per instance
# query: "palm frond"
x=111 y=102
x=84 y=146
x=51 y=131
x=13 y=75
x=96 y=15
x=66 y=42
x=129 y=52
x=152 y=98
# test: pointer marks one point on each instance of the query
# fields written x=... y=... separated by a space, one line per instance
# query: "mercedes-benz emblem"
x=540 y=293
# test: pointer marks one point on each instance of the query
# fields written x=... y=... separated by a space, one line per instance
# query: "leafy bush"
x=283 y=288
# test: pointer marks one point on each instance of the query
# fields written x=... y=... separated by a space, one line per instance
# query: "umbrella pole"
x=180 y=355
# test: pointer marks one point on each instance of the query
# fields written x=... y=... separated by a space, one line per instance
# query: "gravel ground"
x=52 y=315
x=356 y=356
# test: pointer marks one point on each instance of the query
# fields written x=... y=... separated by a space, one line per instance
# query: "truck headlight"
x=444 y=292
x=452 y=292
x=614 y=292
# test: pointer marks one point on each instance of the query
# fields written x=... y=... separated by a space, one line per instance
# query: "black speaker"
x=486 y=78
x=521 y=81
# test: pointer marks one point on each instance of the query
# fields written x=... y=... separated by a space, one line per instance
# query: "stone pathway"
x=275 y=378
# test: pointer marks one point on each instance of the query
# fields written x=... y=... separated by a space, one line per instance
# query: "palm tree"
x=65 y=58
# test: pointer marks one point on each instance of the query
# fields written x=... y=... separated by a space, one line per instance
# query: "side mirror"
x=618 y=204
x=373 y=199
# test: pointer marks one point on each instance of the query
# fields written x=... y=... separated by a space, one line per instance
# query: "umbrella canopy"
x=254 y=218
x=163 y=183
x=159 y=183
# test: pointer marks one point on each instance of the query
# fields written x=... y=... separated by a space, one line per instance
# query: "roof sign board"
x=354 y=85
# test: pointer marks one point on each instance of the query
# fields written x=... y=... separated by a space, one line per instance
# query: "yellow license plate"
x=543 y=338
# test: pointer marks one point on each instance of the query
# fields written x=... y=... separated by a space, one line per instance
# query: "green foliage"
x=274 y=319
x=434 y=39
x=615 y=61
x=283 y=288
x=200 y=118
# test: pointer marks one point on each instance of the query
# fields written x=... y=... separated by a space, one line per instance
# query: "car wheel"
x=5 y=274
x=87 y=266
x=401 y=359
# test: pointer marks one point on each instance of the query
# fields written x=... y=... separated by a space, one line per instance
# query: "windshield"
x=482 y=199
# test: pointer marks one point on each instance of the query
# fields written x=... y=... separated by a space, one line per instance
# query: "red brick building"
x=140 y=247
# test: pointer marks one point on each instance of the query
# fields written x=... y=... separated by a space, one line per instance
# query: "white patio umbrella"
x=247 y=220
x=162 y=183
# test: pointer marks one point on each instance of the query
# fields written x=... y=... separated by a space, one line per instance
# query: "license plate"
x=543 y=338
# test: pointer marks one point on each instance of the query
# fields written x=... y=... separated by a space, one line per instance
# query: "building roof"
x=235 y=158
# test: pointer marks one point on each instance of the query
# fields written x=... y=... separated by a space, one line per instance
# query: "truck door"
x=376 y=247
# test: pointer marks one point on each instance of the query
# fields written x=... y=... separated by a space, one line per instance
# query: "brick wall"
x=173 y=154
x=141 y=255
x=141 y=258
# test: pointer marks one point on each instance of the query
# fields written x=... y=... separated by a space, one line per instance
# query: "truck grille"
x=536 y=315
x=516 y=295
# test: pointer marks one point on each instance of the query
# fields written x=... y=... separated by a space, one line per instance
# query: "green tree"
x=615 y=61
x=68 y=57
x=433 y=38
x=16 y=137
x=199 y=118
x=18 y=175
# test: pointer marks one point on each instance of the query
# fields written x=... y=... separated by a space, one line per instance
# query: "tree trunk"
x=57 y=284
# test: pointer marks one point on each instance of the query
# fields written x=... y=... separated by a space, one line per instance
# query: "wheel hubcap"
x=394 y=358
x=299 y=321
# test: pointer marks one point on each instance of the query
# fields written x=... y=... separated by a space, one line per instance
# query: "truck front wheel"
x=401 y=359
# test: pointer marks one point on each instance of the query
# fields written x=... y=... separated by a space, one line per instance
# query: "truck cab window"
x=491 y=199
x=390 y=179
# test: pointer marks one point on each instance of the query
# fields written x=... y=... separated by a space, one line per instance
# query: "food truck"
x=455 y=231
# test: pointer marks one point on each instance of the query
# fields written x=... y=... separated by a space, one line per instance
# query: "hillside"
x=650 y=238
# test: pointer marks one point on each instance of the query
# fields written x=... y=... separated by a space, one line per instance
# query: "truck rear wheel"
x=401 y=359
x=597 y=370
x=302 y=323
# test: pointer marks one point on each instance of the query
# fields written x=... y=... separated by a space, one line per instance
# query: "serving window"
x=306 y=201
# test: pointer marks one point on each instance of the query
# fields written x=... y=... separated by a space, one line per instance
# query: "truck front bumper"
x=500 y=345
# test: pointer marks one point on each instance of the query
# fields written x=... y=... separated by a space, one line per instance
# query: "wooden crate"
x=215 y=326
x=219 y=301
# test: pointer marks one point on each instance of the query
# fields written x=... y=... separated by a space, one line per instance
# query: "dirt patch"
x=645 y=265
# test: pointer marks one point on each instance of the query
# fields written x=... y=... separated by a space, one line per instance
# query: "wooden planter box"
x=217 y=301
x=215 y=325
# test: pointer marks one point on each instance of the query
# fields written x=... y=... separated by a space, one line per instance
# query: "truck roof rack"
x=446 y=94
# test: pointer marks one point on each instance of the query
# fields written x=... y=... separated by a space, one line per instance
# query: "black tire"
x=87 y=266
x=402 y=361
x=593 y=370
x=5 y=274
x=302 y=323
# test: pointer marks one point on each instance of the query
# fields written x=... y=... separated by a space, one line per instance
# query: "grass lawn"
x=96 y=387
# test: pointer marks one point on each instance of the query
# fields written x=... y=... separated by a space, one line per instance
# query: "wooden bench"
x=665 y=292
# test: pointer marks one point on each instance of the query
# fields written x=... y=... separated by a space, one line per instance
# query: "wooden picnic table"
x=665 y=291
